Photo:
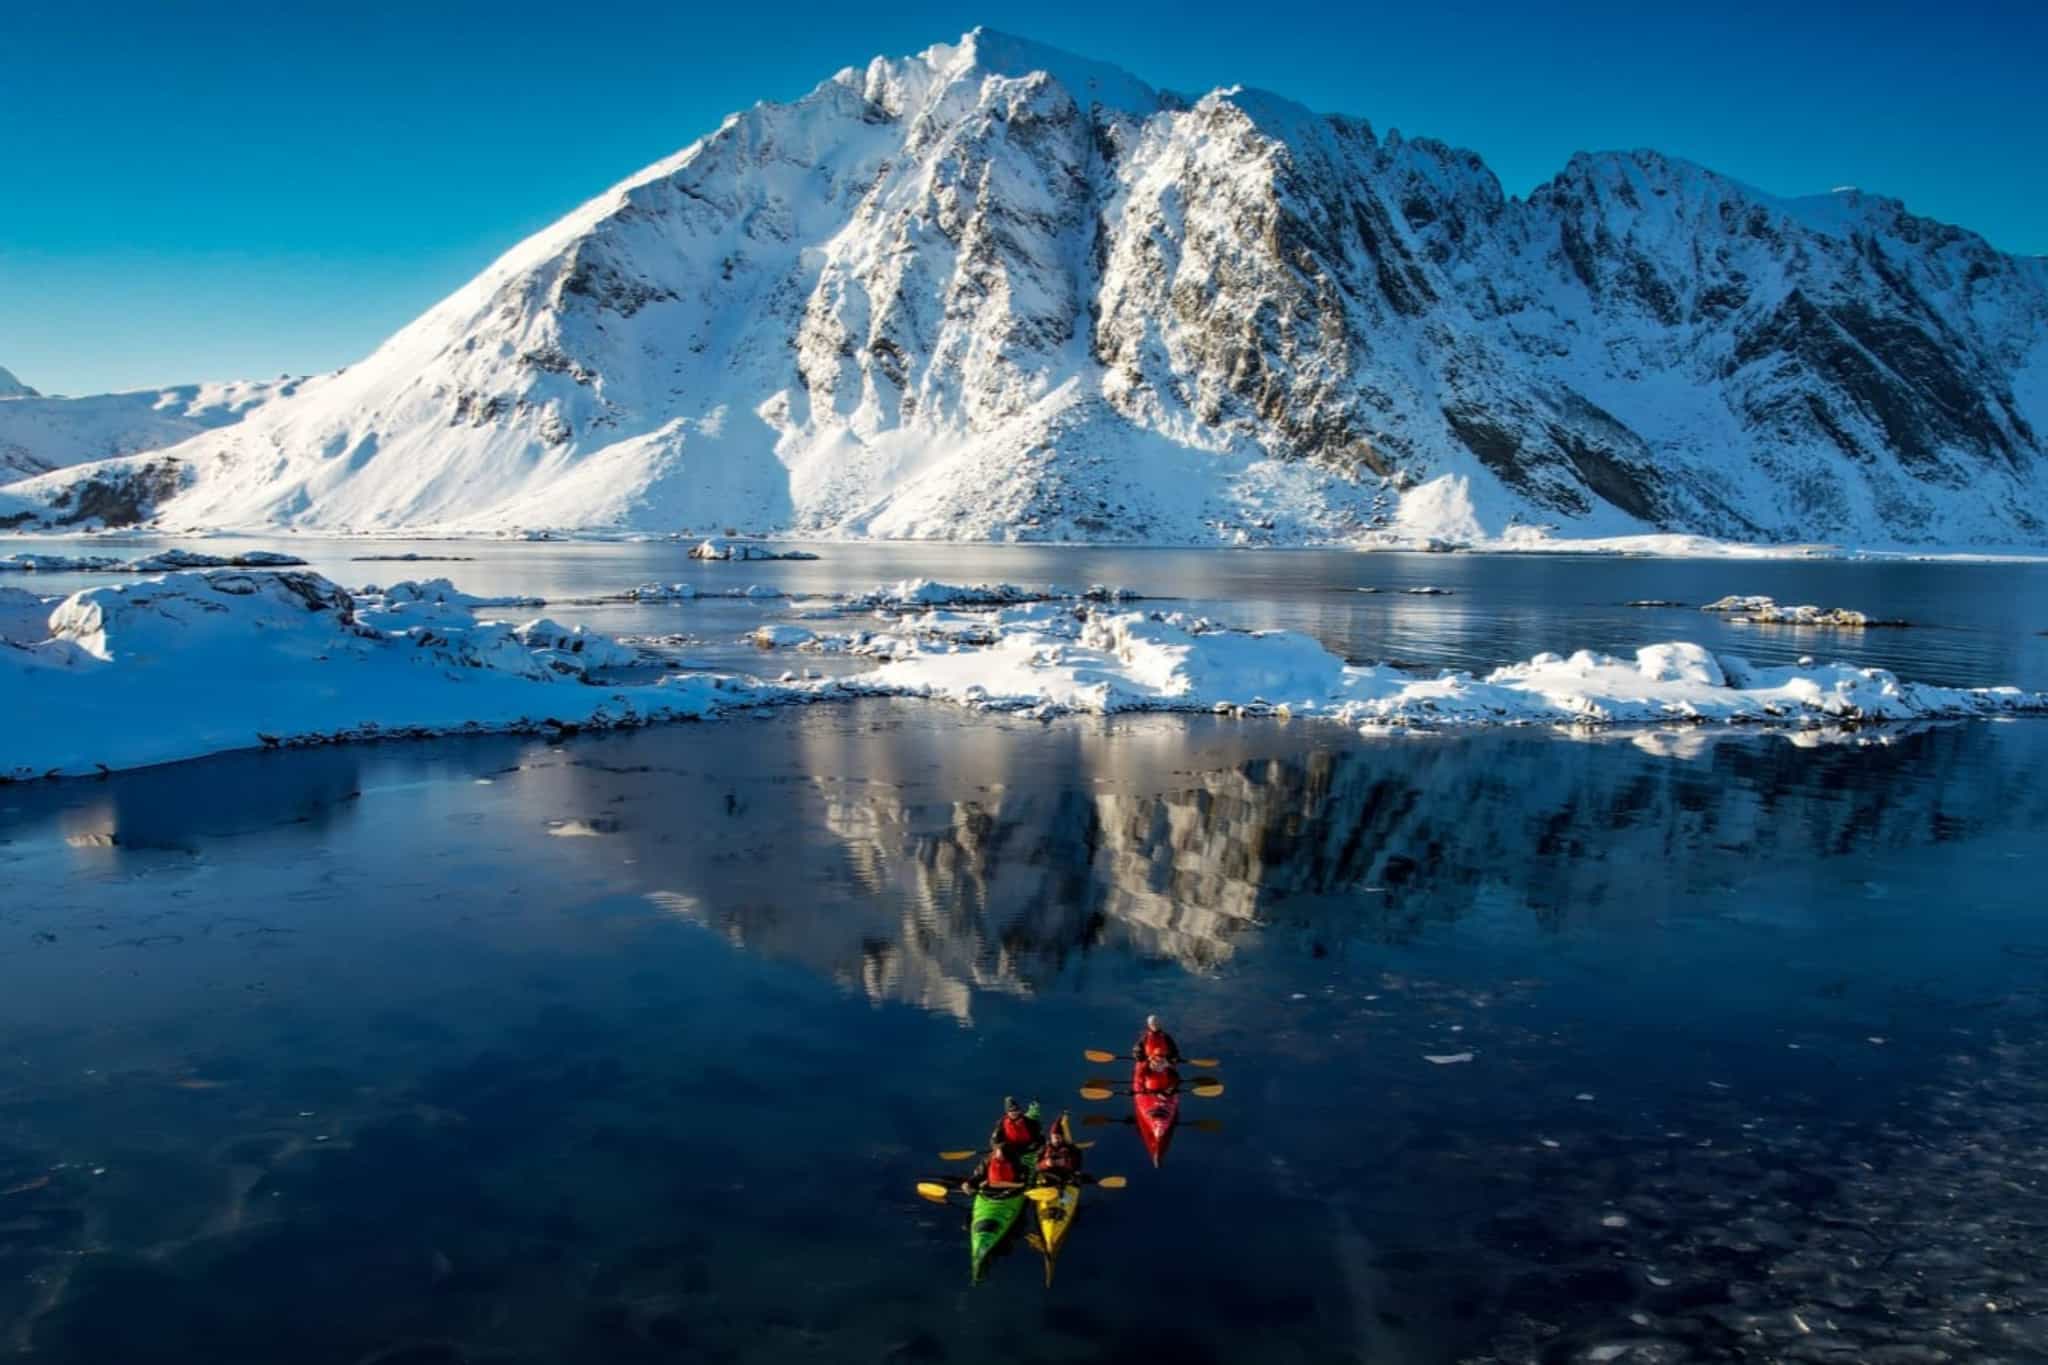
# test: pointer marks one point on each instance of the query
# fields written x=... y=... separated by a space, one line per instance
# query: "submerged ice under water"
x=339 y=1056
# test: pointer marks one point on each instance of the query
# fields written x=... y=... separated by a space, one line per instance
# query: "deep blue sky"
x=214 y=191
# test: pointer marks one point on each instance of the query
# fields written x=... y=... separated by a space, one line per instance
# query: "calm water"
x=631 y=1048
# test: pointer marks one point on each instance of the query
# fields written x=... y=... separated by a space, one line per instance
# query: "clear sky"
x=211 y=191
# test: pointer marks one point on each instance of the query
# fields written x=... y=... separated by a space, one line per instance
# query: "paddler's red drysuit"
x=1156 y=1081
x=996 y=1169
x=1156 y=1043
x=1016 y=1131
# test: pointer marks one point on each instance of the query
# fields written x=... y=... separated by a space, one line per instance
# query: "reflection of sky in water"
x=316 y=1053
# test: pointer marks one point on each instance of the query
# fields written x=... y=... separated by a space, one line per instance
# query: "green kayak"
x=995 y=1218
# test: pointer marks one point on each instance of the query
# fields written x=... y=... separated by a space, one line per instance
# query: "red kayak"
x=1157 y=1109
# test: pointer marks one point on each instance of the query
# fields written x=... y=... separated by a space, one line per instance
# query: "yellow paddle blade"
x=966 y=1154
x=1084 y=1146
x=1096 y=1054
x=1042 y=1195
x=1094 y=1092
x=932 y=1190
x=1210 y=1091
x=1111 y=1182
x=1200 y=1061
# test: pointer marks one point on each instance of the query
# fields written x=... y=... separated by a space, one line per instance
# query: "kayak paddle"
x=1047 y=1194
x=969 y=1153
x=1208 y=1090
x=1094 y=1054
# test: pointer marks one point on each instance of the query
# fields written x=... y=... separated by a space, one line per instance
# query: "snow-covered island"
x=719 y=550
x=200 y=662
x=1763 y=611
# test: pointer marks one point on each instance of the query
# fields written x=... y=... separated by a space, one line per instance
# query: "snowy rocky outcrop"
x=197 y=663
x=40 y=433
x=994 y=291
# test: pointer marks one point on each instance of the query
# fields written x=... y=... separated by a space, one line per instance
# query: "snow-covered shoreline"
x=190 y=664
x=780 y=545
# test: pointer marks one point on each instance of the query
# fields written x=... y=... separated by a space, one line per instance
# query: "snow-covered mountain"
x=995 y=291
x=40 y=432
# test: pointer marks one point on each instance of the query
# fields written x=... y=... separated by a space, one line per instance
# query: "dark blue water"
x=632 y=1048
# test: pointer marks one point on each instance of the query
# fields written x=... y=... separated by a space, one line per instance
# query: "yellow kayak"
x=1055 y=1218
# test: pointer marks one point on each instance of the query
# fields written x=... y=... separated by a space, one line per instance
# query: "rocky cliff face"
x=993 y=291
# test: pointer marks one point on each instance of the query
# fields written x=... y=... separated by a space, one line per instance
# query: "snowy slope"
x=43 y=432
x=996 y=291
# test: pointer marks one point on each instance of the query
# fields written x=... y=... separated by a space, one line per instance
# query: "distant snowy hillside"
x=995 y=291
x=40 y=433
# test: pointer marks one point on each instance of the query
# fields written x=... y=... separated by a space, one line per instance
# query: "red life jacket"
x=1002 y=1170
x=1061 y=1158
x=1158 y=1043
x=1156 y=1082
x=1017 y=1130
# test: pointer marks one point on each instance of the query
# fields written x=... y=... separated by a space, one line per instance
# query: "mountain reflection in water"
x=925 y=865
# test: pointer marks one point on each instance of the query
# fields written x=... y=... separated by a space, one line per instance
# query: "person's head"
x=1152 y=1023
x=1010 y=1105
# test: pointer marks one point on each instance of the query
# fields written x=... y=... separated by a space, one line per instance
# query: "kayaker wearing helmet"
x=1157 y=1077
x=996 y=1171
x=1017 y=1131
x=1060 y=1160
x=1155 y=1042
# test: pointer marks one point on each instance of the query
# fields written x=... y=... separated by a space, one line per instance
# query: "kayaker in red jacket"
x=1059 y=1160
x=997 y=1171
x=1016 y=1131
x=1157 y=1077
x=1155 y=1042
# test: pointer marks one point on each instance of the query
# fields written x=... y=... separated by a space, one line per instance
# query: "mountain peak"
x=1005 y=54
x=10 y=387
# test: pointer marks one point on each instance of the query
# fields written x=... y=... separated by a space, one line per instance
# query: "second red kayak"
x=1155 y=1096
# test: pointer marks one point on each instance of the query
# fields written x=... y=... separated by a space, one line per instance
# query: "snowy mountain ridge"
x=41 y=432
x=992 y=291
